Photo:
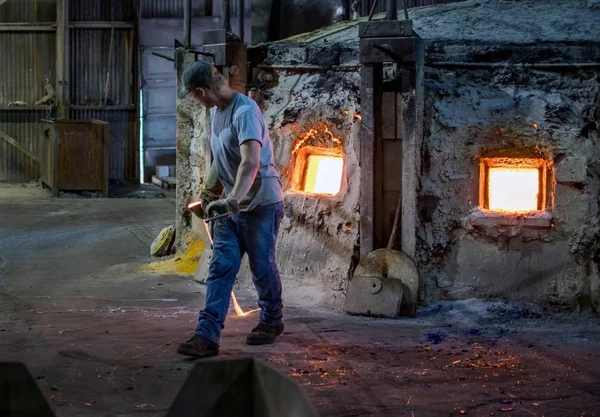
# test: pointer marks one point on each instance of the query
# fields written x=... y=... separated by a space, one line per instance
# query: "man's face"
x=204 y=96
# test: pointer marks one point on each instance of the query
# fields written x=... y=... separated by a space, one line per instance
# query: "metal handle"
x=217 y=217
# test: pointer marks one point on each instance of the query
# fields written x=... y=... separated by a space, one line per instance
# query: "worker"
x=243 y=182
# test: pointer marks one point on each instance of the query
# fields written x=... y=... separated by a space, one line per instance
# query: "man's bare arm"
x=247 y=170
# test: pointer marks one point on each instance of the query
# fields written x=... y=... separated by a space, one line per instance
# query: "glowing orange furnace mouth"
x=514 y=190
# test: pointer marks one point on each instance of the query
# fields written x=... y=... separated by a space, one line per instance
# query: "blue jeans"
x=254 y=233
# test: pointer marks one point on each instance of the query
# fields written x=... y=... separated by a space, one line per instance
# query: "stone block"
x=571 y=208
x=571 y=170
x=542 y=220
x=443 y=281
x=522 y=272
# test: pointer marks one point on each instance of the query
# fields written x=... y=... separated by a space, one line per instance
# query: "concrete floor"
x=100 y=336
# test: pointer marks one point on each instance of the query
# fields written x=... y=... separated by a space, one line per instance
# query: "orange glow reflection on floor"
x=514 y=190
x=324 y=174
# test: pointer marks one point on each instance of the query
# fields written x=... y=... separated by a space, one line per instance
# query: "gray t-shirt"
x=239 y=122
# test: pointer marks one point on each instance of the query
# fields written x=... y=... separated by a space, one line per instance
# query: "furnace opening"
x=513 y=185
x=323 y=174
x=318 y=162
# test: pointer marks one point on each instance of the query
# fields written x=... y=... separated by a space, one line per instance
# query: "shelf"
x=28 y=27
x=26 y=108
x=102 y=25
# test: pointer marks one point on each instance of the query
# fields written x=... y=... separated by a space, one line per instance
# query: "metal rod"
x=226 y=15
x=372 y=12
x=218 y=217
x=392 y=10
x=168 y=58
x=405 y=10
x=241 y=11
x=187 y=23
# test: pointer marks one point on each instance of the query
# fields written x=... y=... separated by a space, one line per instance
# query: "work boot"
x=198 y=347
x=264 y=335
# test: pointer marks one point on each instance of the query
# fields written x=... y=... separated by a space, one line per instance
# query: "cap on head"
x=199 y=74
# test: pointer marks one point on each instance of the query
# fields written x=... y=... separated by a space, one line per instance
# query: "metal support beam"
x=187 y=23
x=392 y=10
x=226 y=15
x=346 y=9
x=62 y=59
x=412 y=138
x=371 y=82
x=385 y=42
x=241 y=15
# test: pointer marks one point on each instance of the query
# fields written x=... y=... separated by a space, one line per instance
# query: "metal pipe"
x=241 y=7
x=392 y=10
x=372 y=12
x=226 y=15
x=187 y=23
x=405 y=9
x=168 y=58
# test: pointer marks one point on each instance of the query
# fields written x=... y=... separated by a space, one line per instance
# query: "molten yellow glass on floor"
x=514 y=190
x=324 y=174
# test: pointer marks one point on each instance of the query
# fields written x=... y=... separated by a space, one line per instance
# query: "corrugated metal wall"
x=29 y=57
x=24 y=126
x=174 y=8
x=89 y=51
x=99 y=11
x=28 y=11
x=26 y=59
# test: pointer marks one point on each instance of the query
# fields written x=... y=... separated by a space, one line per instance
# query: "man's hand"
x=228 y=205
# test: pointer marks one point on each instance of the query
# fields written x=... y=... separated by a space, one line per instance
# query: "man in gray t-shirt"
x=242 y=183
